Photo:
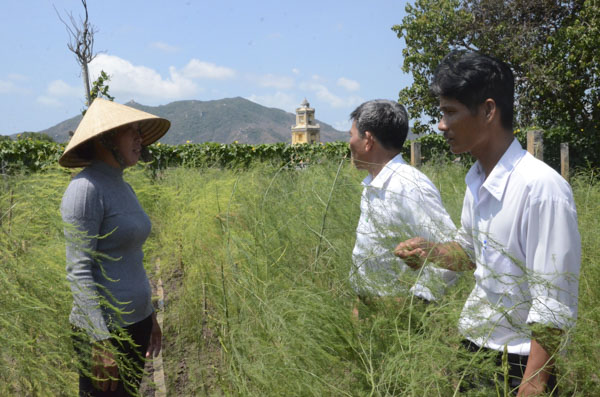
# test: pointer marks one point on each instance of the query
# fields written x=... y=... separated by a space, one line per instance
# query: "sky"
x=336 y=54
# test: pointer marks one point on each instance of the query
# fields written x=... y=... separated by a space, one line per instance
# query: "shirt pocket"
x=499 y=273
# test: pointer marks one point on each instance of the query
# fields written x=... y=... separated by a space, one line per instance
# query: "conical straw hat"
x=103 y=116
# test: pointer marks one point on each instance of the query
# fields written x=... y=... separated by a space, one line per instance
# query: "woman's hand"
x=105 y=373
x=155 y=339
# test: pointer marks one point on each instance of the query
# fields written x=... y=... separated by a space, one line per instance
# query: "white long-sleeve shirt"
x=520 y=224
x=399 y=203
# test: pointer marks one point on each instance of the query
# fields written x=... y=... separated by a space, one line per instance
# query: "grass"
x=255 y=265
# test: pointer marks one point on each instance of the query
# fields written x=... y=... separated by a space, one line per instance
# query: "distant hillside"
x=224 y=120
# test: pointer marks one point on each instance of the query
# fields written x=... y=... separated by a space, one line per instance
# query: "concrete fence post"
x=564 y=160
x=535 y=143
x=415 y=153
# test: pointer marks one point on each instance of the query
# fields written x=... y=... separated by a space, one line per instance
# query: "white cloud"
x=196 y=69
x=162 y=46
x=18 y=77
x=275 y=35
x=342 y=125
x=133 y=81
x=279 y=82
x=49 y=101
x=296 y=71
x=140 y=82
x=278 y=100
x=12 y=85
x=59 y=88
x=348 y=84
x=57 y=91
x=7 y=87
x=327 y=96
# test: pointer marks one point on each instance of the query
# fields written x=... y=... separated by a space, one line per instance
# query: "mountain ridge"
x=223 y=120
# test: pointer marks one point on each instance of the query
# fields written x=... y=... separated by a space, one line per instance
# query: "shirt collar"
x=496 y=182
x=385 y=174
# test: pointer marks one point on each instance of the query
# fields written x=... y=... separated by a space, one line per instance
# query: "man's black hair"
x=386 y=120
x=471 y=78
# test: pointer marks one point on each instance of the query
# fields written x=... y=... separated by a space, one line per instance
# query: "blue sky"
x=336 y=54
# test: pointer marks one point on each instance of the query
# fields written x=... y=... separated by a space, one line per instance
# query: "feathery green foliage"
x=35 y=353
x=255 y=265
x=261 y=303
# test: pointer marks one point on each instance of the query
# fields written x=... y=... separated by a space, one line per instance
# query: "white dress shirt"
x=399 y=203
x=520 y=225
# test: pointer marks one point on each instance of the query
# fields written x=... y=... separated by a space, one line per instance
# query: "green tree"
x=552 y=46
x=100 y=87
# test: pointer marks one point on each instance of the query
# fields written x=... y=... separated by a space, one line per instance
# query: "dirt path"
x=154 y=385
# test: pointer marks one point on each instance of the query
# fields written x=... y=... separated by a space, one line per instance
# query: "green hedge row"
x=31 y=155
x=211 y=154
x=28 y=155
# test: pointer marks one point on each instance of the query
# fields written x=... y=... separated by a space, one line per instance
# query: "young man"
x=398 y=202
x=519 y=226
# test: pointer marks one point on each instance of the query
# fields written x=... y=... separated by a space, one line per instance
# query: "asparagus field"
x=255 y=267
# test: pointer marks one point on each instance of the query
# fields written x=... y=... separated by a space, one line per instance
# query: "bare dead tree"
x=81 y=43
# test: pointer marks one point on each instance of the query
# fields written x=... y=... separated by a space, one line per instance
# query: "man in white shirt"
x=519 y=226
x=398 y=202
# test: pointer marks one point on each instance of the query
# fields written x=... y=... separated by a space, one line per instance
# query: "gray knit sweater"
x=104 y=251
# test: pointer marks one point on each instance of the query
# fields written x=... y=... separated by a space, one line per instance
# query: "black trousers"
x=133 y=346
x=516 y=368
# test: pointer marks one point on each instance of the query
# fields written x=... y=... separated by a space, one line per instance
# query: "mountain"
x=223 y=120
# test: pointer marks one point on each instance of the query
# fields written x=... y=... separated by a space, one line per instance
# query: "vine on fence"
x=236 y=155
x=30 y=155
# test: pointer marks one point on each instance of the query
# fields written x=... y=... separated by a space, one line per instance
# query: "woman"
x=112 y=311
